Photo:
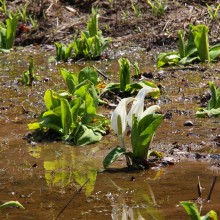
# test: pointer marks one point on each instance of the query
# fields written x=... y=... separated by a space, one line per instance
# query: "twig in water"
x=199 y=188
x=77 y=191
x=212 y=187
x=100 y=72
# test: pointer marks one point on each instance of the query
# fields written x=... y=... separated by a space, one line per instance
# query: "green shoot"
x=213 y=106
x=137 y=69
x=213 y=12
x=158 y=7
x=125 y=77
x=3 y=7
x=135 y=9
x=22 y=11
x=11 y=204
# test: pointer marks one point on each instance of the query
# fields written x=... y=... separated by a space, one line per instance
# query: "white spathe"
x=137 y=108
x=119 y=116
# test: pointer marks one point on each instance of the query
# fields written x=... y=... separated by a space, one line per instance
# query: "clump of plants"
x=213 y=106
x=63 y=52
x=28 y=76
x=195 y=49
x=143 y=124
x=7 y=32
x=73 y=114
x=125 y=85
x=194 y=214
x=90 y=44
x=158 y=7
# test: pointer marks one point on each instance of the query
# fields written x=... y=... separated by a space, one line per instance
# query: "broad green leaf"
x=66 y=117
x=214 y=52
x=125 y=74
x=203 y=113
x=51 y=120
x=92 y=25
x=85 y=135
x=11 y=24
x=191 y=210
x=51 y=100
x=113 y=156
x=170 y=58
x=70 y=79
x=142 y=133
x=88 y=73
x=213 y=100
x=200 y=33
x=11 y=204
x=181 y=44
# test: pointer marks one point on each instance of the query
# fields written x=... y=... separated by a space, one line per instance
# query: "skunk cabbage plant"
x=143 y=126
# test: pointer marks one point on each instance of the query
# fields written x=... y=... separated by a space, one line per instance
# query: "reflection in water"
x=62 y=169
x=142 y=206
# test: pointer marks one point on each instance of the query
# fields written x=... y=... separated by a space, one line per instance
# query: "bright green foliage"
x=11 y=204
x=137 y=69
x=91 y=43
x=3 y=7
x=194 y=214
x=142 y=133
x=8 y=31
x=28 y=76
x=22 y=11
x=213 y=12
x=125 y=84
x=72 y=113
x=195 y=48
x=125 y=77
x=158 y=7
x=63 y=52
x=213 y=107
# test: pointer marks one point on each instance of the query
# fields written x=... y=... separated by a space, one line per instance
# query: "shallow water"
x=45 y=176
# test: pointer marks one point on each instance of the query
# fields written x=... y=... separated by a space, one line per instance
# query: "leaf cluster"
x=7 y=32
x=91 y=43
x=195 y=49
x=72 y=114
x=194 y=214
x=125 y=85
x=213 y=107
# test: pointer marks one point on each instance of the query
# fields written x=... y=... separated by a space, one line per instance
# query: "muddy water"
x=45 y=176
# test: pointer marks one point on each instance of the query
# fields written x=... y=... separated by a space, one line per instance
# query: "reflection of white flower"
x=137 y=108
x=119 y=116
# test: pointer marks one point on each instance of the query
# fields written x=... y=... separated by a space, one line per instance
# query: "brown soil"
x=61 y=20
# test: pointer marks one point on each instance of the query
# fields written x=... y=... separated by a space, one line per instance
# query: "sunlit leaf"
x=113 y=156
x=11 y=204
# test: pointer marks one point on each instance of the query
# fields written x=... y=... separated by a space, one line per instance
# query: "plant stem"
x=122 y=145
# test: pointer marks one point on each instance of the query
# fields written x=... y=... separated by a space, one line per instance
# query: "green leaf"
x=200 y=33
x=142 y=133
x=203 y=113
x=85 y=135
x=125 y=75
x=214 y=52
x=113 y=156
x=170 y=58
x=11 y=24
x=51 y=99
x=88 y=73
x=212 y=215
x=11 y=204
x=66 y=117
x=51 y=120
x=181 y=44
x=70 y=79
x=92 y=25
x=191 y=210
